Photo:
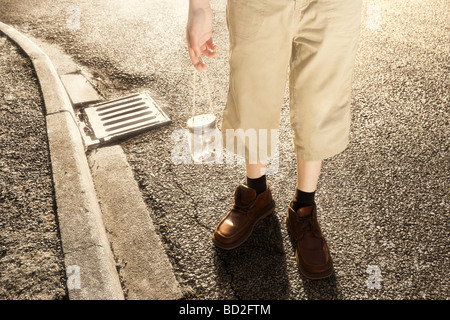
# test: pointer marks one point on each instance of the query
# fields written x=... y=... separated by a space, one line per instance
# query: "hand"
x=199 y=33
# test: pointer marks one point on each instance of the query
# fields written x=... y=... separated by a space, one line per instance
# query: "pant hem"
x=308 y=156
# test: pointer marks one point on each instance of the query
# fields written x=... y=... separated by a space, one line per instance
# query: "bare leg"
x=308 y=174
x=256 y=170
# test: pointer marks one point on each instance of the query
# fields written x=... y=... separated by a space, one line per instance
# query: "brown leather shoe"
x=311 y=252
x=237 y=226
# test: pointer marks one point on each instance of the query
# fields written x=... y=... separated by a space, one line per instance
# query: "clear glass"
x=204 y=138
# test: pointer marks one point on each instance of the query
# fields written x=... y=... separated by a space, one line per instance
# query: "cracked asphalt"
x=383 y=202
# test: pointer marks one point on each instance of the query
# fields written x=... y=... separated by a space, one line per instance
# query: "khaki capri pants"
x=312 y=41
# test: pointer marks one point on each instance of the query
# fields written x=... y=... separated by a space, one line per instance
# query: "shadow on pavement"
x=257 y=269
x=322 y=289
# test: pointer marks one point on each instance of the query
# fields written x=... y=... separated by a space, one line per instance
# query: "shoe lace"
x=307 y=224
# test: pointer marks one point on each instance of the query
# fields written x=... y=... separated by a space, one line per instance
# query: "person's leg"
x=260 y=49
x=324 y=49
x=252 y=202
x=308 y=173
x=256 y=170
x=323 y=54
x=256 y=176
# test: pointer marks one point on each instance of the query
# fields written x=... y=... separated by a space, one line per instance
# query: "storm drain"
x=120 y=118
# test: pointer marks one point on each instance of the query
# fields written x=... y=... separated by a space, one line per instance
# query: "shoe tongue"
x=305 y=211
x=244 y=194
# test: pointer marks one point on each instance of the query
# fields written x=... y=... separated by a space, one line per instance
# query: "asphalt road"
x=383 y=203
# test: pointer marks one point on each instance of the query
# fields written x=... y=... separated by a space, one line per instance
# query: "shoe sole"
x=247 y=235
x=305 y=273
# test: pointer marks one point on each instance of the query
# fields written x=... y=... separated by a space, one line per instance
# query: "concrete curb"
x=145 y=269
x=85 y=244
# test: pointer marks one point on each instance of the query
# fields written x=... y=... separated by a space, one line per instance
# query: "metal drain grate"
x=121 y=118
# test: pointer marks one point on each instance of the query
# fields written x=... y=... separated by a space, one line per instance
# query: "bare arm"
x=199 y=32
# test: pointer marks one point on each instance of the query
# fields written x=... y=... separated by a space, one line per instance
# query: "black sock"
x=302 y=199
x=258 y=184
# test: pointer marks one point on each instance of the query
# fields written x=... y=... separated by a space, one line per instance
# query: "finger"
x=211 y=45
x=200 y=66
x=208 y=49
x=197 y=60
x=194 y=51
x=209 y=53
x=193 y=56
